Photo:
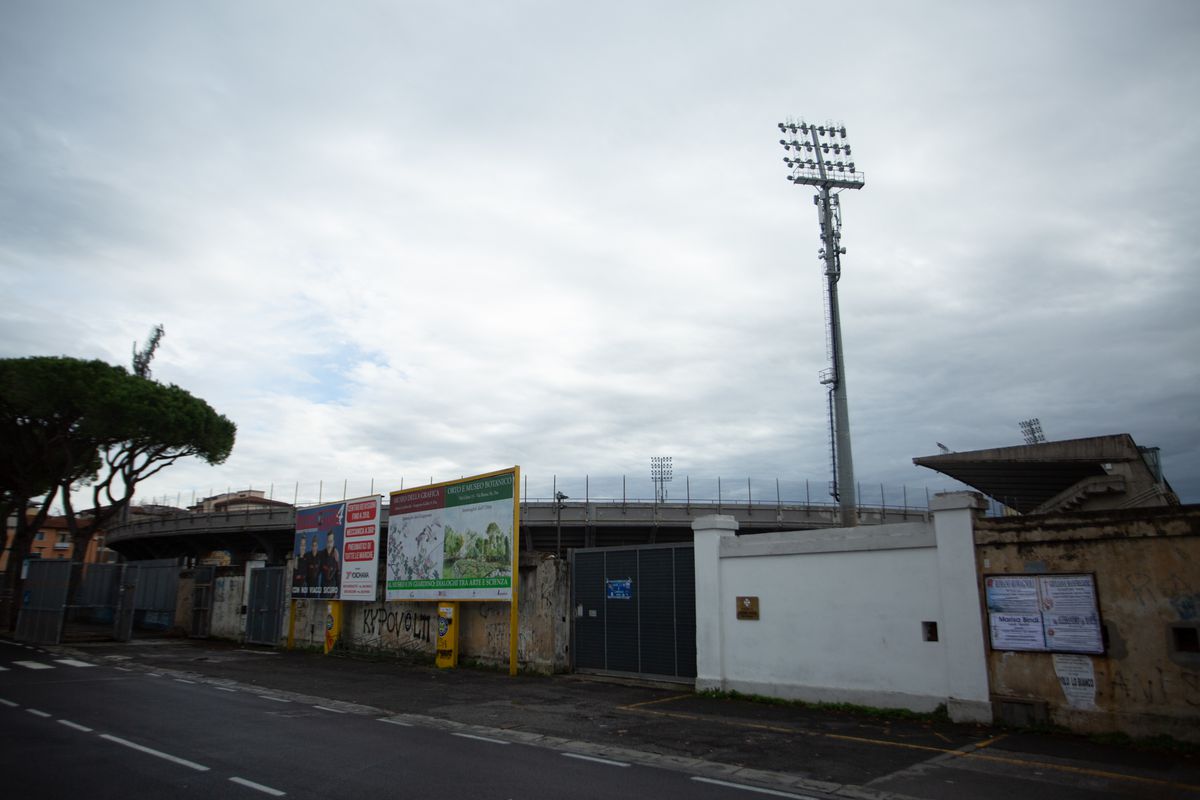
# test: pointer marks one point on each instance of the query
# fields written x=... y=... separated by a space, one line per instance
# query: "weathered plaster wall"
x=1147 y=569
x=228 y=616
x=411 y=627
x=544 y=630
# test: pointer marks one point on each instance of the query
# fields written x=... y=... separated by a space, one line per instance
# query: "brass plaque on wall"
x=747 y=608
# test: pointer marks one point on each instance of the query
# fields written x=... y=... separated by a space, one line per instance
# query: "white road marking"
x=75 y=725
x=225 y=689
x=33 y=665
x=14 y=644
x=746 y=788
x=3 y=669
x=258 y=787
x=276 y=699
x=73 y=662
x=481 y=738
x=123 y=669
x=8 y=703
x=596 y=760
x=154 y=674
x=183 y=680
x=175 y=759
x=334 y=710
x=388 y=721
x=37 y=713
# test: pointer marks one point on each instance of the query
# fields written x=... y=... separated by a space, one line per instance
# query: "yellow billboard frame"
x=513 y=621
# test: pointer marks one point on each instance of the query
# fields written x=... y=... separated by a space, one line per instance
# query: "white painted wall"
x=841 y=613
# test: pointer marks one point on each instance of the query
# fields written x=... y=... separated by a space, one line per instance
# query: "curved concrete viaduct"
x=544 y=527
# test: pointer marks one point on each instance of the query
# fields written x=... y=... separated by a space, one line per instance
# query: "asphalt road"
x=310 y=725
x=72 y=729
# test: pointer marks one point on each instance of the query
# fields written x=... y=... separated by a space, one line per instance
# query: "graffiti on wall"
x=1157 y=688
x=400 y=624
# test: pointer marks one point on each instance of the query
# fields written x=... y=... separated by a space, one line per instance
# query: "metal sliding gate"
x=40 y=620
x=635 y=611
x=157 y=585
x=202 y=597
x=264 y=614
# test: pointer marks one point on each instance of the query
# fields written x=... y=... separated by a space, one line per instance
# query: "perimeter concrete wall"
x=845 y=615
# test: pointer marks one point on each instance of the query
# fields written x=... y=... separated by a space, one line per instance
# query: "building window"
x=62 y=538
x=39 y=536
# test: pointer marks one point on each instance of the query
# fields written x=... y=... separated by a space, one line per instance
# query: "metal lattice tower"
x=818 y=155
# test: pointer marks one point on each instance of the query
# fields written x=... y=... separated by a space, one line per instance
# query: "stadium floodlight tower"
x=818 y=155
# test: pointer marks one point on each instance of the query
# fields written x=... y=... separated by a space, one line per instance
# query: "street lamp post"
x=819 y=156
x=559 y=497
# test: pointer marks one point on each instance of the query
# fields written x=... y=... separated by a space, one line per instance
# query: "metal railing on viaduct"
x=545 y=525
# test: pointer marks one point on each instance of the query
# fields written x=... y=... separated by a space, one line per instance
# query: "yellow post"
x=516 y=574
x=333 y=624
x=447 y=636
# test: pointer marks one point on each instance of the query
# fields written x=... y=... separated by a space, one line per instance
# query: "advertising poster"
x=455 y=540
x=1016 y=631
x=1069 y=614
x=1012 y=594
x=360 y=550
x=1078 y=680
x=1044 y=613
x=318 y=551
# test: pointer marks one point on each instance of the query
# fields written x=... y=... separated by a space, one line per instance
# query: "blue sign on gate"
x=619 y=588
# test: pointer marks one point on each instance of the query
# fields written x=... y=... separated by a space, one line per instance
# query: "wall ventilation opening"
x=1185 y=639
x=929 y=631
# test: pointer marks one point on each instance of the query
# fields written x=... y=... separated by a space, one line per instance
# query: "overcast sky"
x=404 y=240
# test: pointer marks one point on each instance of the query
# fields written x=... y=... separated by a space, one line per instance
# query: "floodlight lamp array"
x=660 y=468
x=819 y=156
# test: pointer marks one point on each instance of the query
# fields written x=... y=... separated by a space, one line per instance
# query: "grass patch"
x=937 y=715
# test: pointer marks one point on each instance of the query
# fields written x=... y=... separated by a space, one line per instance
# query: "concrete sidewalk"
x=789 y=748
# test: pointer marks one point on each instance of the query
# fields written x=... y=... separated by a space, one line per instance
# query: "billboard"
x=336 y=550
x=454 y=540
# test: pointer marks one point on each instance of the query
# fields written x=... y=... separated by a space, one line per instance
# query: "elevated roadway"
x=544 y=526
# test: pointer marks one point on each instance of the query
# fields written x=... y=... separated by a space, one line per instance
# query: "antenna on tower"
x=1031 y=429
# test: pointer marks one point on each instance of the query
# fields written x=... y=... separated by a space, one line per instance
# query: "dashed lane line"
x=480 y=738
x=606 y=761
x=73 y=662
x=755 y=789
x=157 y=753
x=258 y=787
x=32 y=665
x=75 y=725
x=397 y=722
x=8 y=703
x=334 y=710
x=37 y=713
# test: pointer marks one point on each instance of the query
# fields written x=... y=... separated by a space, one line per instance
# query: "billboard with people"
x=336 y=551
